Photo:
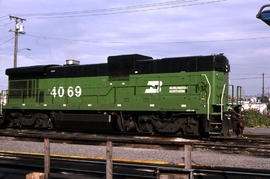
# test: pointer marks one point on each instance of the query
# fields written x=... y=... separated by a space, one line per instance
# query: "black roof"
x=123 y=65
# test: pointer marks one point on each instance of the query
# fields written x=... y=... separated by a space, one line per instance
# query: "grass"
x=256 y=119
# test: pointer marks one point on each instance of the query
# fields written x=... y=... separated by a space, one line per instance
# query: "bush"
x=256 y=119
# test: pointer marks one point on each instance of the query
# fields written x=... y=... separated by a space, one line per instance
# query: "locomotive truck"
x=179 y=96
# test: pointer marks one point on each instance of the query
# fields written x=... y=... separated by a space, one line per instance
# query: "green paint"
x=184 y=91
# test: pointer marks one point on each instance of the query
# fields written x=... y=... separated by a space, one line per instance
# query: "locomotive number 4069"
x=71 y=91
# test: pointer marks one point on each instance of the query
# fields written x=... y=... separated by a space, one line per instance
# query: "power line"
x=1 y=25
x=224 y=40
x=125 y=42
x=68 y=39
x=6 y=41
x=253 y=74
x=3 y=20
x=121 y=10
x=110 y=9
x=251 y=78
x=3 y=16
x=131 y=11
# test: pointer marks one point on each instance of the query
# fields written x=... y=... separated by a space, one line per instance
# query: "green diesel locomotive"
x=179 y=96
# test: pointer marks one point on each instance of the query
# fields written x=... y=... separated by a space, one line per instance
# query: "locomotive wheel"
x=125 y=123
x=14 y=123
x=120 y=122
x=191 y=126
x=13 y=120
x=239 y=127
x=144 y=125
x=42 y=121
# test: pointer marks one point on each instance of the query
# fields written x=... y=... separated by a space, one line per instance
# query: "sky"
x=90 y=31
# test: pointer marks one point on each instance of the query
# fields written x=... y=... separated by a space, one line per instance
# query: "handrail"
x=209 y=95
x=239 y=94
x=232 y=90
x=221 y=101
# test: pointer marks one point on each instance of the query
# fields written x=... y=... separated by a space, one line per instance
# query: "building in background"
x=254 y=103
x=3 y=99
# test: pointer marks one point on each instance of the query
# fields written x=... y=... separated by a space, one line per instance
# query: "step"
x=215 y=123
x=216 y=113
x=215 y=133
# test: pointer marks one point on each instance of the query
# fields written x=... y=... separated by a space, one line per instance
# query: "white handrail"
x=209 y=95
x=221 y=101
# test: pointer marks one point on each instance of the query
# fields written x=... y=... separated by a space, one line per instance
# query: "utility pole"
x=18 y=30
x=262 y=88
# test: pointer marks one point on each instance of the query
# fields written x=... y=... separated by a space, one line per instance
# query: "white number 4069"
x=60 y=91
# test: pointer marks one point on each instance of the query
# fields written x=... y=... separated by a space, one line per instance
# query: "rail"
x=76 y=167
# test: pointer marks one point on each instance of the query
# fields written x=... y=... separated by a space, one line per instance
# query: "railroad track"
x=65 y=167
x=250 y=145
x=72 y=167
x=227 y=145
x=263 y=151
x=258 y=146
